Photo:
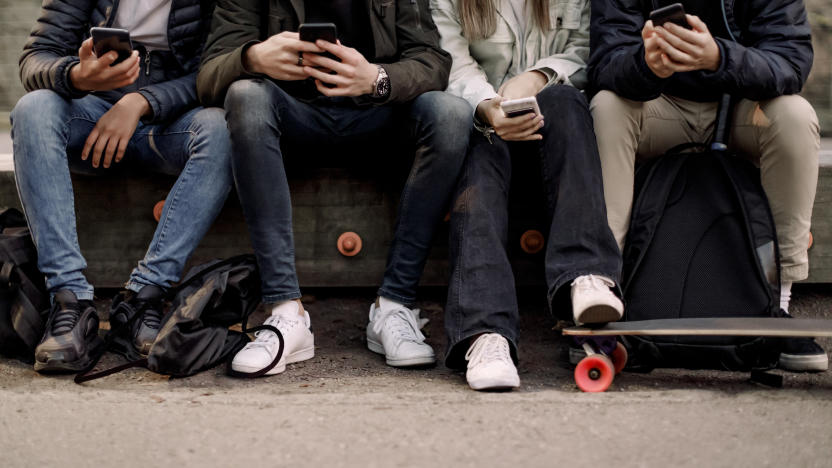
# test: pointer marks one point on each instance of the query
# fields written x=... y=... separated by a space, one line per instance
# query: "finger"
x=678 y=41
x=518 y=124
x=673 y=53
x=289 y=35
x=325 y=62
x=532 y=137
x=305 y=46
x=335 y=49
x=107 y=59
x=98 y=149
x=648 y=30
x=110 y=151
x=327 y=91
x=122 y=147
x=669 y=64
x=85 y=52
x=697 y=24
x=91 y=139
x=325 y=77
x=685 y=34
x=126 y=66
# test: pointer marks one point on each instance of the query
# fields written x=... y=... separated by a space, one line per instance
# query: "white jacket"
x=479 y=68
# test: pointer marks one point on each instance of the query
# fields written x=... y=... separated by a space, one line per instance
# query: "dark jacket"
x=167 y=79
x=773 y=55
x=406 y=43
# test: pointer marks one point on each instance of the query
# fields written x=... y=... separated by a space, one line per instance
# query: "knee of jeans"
x=559 y=98
x=211 y=128
x=249 y=103
x=36 y=108
x=450 y=117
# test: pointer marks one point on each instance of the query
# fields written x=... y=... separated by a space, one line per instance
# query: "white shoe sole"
x=495 y=383
x=803 y=362
x=297 y=356
x=423 y=360
x=601 y=313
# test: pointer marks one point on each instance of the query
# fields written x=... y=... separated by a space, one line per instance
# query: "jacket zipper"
x=147 y=63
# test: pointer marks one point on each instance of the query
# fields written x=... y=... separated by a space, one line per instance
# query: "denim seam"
x=407 y=301
x=461 y=257
x=564 y=278
x=273 y=298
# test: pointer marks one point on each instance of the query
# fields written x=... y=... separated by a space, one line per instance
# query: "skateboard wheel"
x=349 y=244
x=157 y=210
x=532 y=241
x=619 y=358
x=594 y=373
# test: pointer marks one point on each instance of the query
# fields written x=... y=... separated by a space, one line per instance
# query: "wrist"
x=136 y=102
x=75 y=78
x=482 y=114
x=251 y=59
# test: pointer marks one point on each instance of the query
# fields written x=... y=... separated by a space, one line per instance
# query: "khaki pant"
x=779 y=135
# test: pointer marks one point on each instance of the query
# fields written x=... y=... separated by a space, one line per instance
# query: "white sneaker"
x=299 y=344
x=593 y=300
x=489 y=364
x=394 y=331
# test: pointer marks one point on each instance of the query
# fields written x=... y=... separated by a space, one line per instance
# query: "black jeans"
x=481 y=295
x=261 y=115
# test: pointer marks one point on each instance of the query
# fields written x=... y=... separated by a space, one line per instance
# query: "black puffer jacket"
x=167 y=79
x=773 y=55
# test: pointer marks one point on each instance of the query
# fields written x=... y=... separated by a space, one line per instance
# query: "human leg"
x=438 y=124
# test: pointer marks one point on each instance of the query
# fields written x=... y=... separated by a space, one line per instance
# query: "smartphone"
x=674 y=13
x=311 y=32
x=107 y=39
x=518 y=107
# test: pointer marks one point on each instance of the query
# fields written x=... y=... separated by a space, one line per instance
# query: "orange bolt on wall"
x=349 y=244
x=532 y=241
x=157 y=210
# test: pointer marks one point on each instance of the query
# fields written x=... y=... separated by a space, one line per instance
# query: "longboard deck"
x=722 y=326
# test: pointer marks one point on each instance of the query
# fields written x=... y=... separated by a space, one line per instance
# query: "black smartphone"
x=674 y=13
x=107 y=39
x=311 y=32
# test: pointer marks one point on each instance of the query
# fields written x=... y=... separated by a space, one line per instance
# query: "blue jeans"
x=481 y=293
x=262 y=116
x=48 y=134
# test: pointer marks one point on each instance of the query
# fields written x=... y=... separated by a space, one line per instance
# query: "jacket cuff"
x=155 y=107
x=65 y=80
x=723 y=62
x=245 y=72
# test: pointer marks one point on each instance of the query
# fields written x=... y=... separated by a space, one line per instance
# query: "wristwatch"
x=381 y=87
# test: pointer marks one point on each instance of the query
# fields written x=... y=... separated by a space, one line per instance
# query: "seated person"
x=85 y=113
x=491 y=65
x=278 y=90
x=658 y=87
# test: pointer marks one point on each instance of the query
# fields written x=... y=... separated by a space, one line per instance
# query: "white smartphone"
x=518 y=107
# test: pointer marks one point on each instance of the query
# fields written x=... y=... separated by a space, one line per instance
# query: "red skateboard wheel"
x=532 y=241
x=157 y=210
x=619 y=357
x=349 y=244
x=594 y=373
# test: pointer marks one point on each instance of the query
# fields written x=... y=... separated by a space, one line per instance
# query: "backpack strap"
x=263 y=371
x=85 y=374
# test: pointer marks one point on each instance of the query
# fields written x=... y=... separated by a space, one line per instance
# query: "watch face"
x=383 y=86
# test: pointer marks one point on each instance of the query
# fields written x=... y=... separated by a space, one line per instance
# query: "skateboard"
x=606 y=356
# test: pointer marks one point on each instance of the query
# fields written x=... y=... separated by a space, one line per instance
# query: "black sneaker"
x=802 y=355
x=71 y=336
x=135 y=341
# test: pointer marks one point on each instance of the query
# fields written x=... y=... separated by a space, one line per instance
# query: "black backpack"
x=24 y=303
x=195 y=335
x=701 y=243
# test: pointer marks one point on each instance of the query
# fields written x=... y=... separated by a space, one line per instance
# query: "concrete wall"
x=18 y=16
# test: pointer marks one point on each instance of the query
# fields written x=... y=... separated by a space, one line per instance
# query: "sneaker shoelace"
x=401 y=323
x=66 y=317
x=488 y=348
x=267 y=338
x=593 y=283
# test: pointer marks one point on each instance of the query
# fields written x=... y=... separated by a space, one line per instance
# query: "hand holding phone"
x=517 y=120
x=107 y=39
x=94 y=73
x=518 y=107
x=678 y=43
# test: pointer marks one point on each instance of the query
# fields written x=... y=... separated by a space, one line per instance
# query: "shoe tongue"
x=65 y=297
x=149 y=292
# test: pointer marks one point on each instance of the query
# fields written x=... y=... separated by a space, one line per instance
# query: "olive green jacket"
x=405 y=37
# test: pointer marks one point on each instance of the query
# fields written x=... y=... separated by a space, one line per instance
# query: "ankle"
x=293 y=306
x=785 y=295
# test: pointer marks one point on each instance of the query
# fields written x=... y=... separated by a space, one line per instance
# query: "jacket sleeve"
x=235 y=27
x=170 y=99
x=780 y=59
x=569 y=66
x=52 y=47
x=616 y=60
x=422 y=65
x=467 y=79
